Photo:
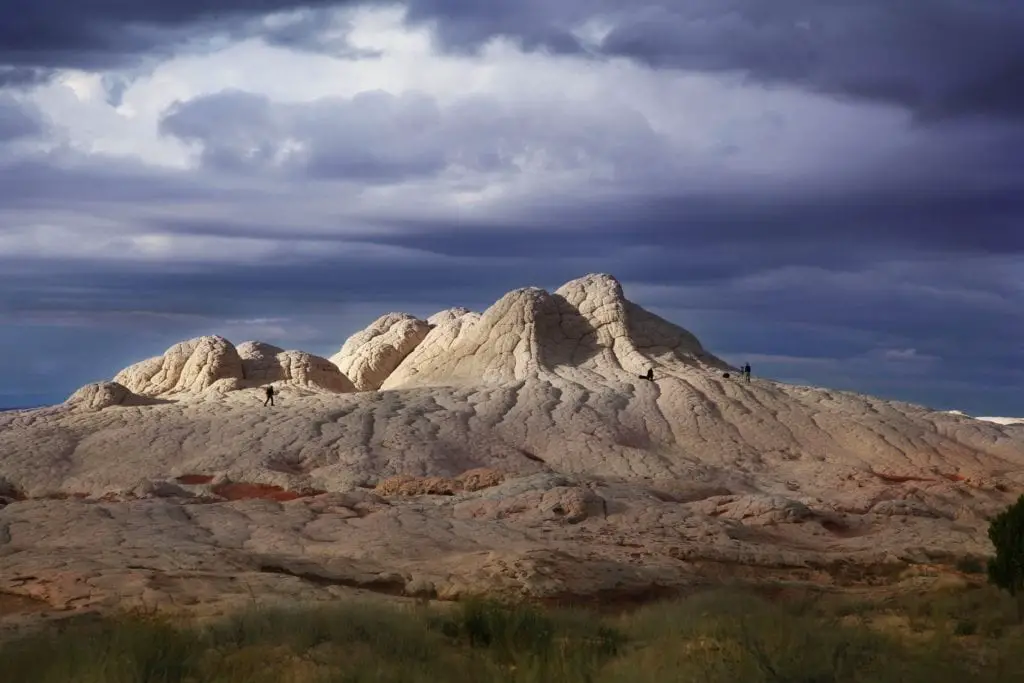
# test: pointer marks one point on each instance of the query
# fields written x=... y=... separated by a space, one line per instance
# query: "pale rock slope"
x=267 y=364
x=99 y=395
x=585 y=333
x=515 y=450
x=369 y=356
x=189 y=367
x=447 y=328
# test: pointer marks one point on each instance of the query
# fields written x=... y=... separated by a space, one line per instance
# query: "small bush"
x=965 y=627
x=971 y=565
x=1006 y=569
x=490 y=624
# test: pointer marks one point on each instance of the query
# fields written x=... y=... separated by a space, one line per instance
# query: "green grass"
x=725 y=636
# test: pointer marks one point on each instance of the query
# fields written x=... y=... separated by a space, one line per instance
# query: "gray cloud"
x=375 y=136
x=379 y=137
x=942 y=59
x=14 y=76
x=63 y=179
x=939 y=59
x=309 y=28
x=18 y=120
x=114 y=88
x=100 y=33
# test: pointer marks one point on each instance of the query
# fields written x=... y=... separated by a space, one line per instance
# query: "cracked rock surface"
x=516 y=450
x=369 y=356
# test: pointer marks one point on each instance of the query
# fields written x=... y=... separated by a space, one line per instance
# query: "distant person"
x=746 y=372
x=649 y=376
x=270 y=396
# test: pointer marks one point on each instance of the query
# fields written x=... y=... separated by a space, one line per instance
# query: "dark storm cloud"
x=941 y=59
x=266 y=289
x=719 y=235
x=313 y=29
x=40 y=34
x=926 y=221
x=21 y=76
x=57 y=180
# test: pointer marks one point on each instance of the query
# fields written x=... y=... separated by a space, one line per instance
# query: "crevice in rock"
x=383 y=585
x=245 y=491
x=532 y=456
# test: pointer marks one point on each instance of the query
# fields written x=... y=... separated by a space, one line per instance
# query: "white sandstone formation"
x=265 y=364
x=586 y=329
x=214 y=366
x=614 y=333
x=369 y=356
x=447 y=328
x=516 y=450
x=100 y=395
x=508 y=343
x=191 y=366
x=260 y=364
x=450 y=316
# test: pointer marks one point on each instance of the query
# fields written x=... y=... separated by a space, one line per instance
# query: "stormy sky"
x=832 y=190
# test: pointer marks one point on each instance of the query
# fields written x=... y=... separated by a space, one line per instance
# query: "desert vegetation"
x=1006 y=568
x=725 y=635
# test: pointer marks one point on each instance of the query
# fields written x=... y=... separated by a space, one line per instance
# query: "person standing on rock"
x=649 y=376
x=270 y=395
x=746 y=372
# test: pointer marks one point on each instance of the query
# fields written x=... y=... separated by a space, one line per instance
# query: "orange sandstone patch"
x=898 y=479
x=470 y=480
x=244 y=491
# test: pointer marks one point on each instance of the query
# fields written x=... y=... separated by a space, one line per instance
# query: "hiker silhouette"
x=649 y=376
x=270 y=396
x=746 y=372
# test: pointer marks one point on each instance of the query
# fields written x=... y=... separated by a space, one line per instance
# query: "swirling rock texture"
x=368 y=357
x=266 y=364
x=518 y=451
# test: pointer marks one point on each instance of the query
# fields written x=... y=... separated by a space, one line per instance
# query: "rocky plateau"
x=517 y=451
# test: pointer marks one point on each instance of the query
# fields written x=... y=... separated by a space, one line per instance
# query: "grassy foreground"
x=725 y=636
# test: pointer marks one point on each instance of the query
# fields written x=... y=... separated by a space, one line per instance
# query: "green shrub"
x=126 y=649
x=971 y=565
x=1006 y=569
x=965 y=627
